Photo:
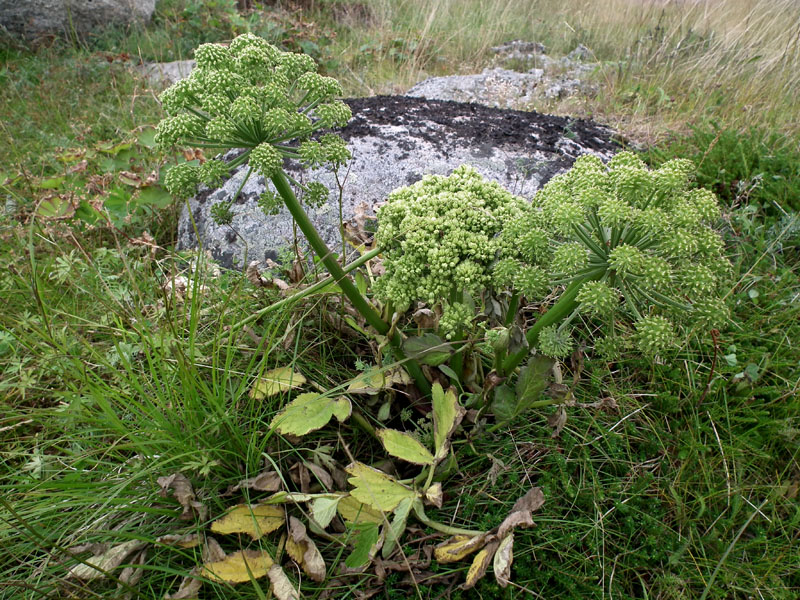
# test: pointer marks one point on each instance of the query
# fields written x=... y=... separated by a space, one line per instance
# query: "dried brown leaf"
x=322 y=475
x=303 y=550
x=280 y=585
x=183 y=492
x=503 y=559
x=557 y=421
x=97 y=566
x=185 y=540
x=189 y=588
x=253 y=274
x=267 y=481
x=212 y=551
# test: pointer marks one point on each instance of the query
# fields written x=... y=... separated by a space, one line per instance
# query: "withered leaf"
x=322 y=475
x=280 y=585
x=479 y=565
x=254 y=520
x=240 y=566
x=189 y=588
x=458 y=547
x=557 y=421
x=267 y=481
x=503 y=559
x=303 y=550
x=97 y=566
x=186 y=540
x=212 y=551
x=181 y=488
x=434 y=495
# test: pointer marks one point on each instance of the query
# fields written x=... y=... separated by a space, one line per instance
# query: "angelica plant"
x=269 y=104
x=635 y=248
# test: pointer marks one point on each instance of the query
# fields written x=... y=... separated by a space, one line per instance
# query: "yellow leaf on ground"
x=458 y=547
x=276 y=381
x=479 y=565
x=375 y=488
x=353 y=511
x=254 y=520
x=240 y=566
x=403 y=446
x=373 y=381
x=309 y=412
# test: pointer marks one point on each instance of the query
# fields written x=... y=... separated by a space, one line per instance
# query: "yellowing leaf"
x=458 y=547
x=447 y=414
x=479 y=565
x=303 y=551
x=373 y=381
x=254 y=520
x=403 y=446
x=276 y=381
x=97 y=566
x=240 y=566
x=434 y=495
x=281 y=587
x=396 y=527
x=375 y=488
x=503 y=559
x=309 y=412
x=353 y=511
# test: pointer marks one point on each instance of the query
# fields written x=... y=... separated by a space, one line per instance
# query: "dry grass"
x=663 y=61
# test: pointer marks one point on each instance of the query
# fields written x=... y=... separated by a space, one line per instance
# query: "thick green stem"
x=348 y=287
x=558 y=312
x=420 y=513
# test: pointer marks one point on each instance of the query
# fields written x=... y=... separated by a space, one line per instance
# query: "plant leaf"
x=532 y=380
x=353 y=511
x=303 y=551
x=458 y=547
x=240 y=566
x=396 y=527
x=479 y=565
x=447 y=414
x=309 y=412
x=374 y=380
x=97 y=566
x=504 y=405
x=503 y=559
x=276 y=381
x=429 y=349
x=375 y=488
x=280 y=585
x=366 y=537
x=181 y=488
x=189 y=588
x=254 y=520
x=405 y=447
x=323 y=510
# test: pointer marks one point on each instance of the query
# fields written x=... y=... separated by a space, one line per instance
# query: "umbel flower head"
x=250 y=95
x=638 y=244
x=440 y=239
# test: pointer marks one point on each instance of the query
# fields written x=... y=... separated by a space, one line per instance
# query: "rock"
x=165 y=74
x=32 y=18
x=547 y=78
x=395 y=141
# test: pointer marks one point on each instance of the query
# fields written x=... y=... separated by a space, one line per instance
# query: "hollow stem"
x=348 y=287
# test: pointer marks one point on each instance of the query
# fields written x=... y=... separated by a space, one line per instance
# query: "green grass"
x=110 y=380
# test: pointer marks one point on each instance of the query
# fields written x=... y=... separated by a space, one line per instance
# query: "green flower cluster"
x=639 y=243
x=250 y=95
x=440 y=238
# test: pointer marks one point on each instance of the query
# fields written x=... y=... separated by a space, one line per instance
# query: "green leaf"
x=55 y=208
x=51 y=183
x=447 y=414
x=533 y=380
x=147 y=137
x=324 y=509
x=276 y=381
x=309 y=412
x=375 y=488
x=373 y=381
x=403 y=446
x=366 y=537
x=449 y=372
x=504 y=405
x=154 y=195
x=87 y=213
x=361 y=283
x=429 y=349
x=397 y=527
